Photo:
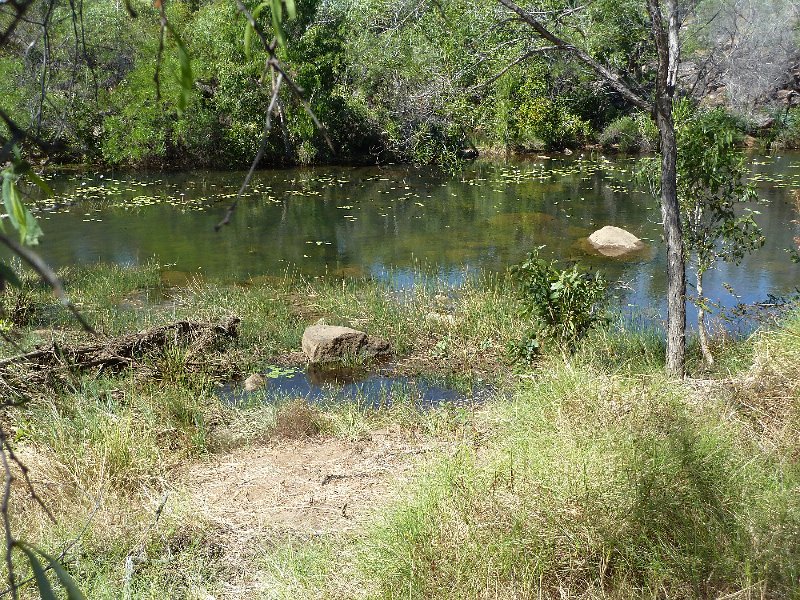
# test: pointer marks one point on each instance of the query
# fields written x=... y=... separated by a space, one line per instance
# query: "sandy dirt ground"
x=309 y=487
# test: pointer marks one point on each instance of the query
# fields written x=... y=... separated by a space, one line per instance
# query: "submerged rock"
x=328 y=343
x=615 y=241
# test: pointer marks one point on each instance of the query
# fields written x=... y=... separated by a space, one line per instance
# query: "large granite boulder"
x=615 y=241
x=329 y=343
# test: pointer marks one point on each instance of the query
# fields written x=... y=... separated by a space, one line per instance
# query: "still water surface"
x=397 y=221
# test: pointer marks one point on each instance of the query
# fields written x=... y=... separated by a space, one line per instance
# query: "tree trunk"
x=701 y=321
x=667 y=45
x=667 y=42
x=673 y=238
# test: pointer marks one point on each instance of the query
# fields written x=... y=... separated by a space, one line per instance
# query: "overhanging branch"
x=611 y=77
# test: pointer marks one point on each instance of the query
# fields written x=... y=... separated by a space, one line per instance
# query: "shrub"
x=787 y=129
x=566 y=304
x=631 y=133
x=297 y=420
x=540 y=120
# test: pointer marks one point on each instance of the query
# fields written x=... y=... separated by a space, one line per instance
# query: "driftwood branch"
x=123 y=351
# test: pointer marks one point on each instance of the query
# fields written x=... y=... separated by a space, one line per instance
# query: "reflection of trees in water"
x=488 y=224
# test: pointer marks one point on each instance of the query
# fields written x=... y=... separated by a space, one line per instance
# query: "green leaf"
x=248 y=34
x=40 y=183
x=277 y=17
x=39 y=575
x=64 y=578
x=249 y=30
x=20 y=217
x=185 y=76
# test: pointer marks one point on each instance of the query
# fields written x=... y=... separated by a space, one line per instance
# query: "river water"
x=397 y=222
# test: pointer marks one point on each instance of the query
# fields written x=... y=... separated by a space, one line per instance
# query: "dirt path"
x=311 y=486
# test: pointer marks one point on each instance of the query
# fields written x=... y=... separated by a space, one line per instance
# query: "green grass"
x=601 y=485
x=598 y=478
x=598 y=487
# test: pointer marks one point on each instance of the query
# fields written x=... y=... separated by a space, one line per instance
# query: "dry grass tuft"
x=767 y=395
x=297 y=420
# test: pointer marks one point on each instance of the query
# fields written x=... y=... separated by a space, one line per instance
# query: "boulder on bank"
x=328 y=343
x=615 y=241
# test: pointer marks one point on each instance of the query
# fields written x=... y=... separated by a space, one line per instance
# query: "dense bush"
x=787 y=128
x=390 y=81
x=631 y=133
x=564 y=304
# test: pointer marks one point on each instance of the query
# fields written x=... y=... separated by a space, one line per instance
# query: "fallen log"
x=120 y=352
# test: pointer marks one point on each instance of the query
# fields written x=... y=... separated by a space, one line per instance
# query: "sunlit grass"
x=596 y=477
x=597 y=487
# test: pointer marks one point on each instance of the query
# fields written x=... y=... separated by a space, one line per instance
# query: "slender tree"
x=712 y=182
x=664 y=24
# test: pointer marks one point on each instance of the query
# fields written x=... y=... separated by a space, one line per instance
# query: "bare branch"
x=614 y=79
x=264 y=138
x=162 y=18
x=9 y=538
x=283 y=77
x=511 y=65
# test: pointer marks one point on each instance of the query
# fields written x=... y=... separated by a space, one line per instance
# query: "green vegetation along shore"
x=597 y=477
x=389 y=81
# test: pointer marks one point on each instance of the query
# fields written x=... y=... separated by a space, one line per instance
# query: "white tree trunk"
x=701 y=321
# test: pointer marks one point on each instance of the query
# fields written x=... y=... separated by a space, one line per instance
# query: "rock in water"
x=254 y=382
x=328 y=343
x=615 y=241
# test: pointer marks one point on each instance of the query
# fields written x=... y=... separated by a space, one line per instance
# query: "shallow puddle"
x=369 y=390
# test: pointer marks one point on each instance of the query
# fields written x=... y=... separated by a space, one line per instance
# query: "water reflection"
x=395 y=222
x=374 y=390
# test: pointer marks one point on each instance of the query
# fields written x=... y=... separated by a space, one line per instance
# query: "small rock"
x=750 y=141
x=254 y=382
x=377 y=347
x=615 y=241
x=788 y=97
x=763 y=121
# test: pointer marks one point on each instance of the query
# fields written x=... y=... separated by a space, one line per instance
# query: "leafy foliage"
x=565 y=304
x=713 y=191
x=34 y=556
x=631 y=133
x=786 y=131
x=18 y=214
x=712 y=181
x=412 y=82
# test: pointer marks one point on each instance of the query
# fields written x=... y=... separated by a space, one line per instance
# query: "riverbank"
x=619 y=138
x=599 y=478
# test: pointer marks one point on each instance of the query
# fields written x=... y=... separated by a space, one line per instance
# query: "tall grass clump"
x=624 y=347
x=595 y=487
x=786 y=131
